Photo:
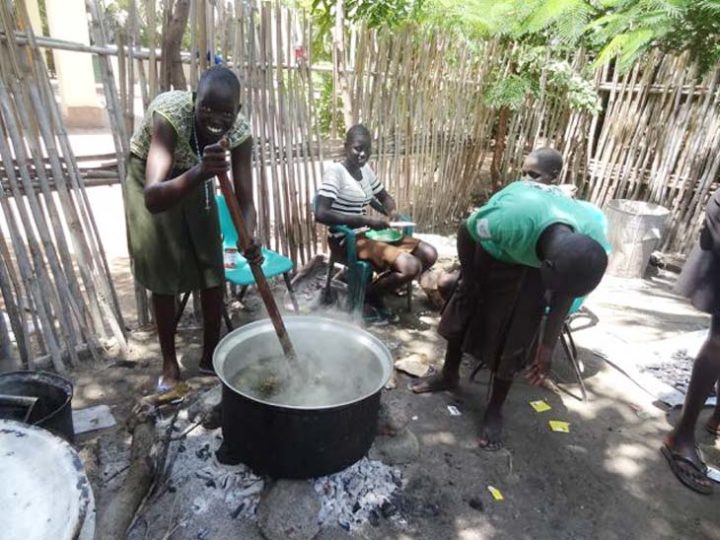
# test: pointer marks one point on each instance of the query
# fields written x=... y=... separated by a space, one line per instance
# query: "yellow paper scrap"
x=540 y=406
x=557 y=425
x=496 y=493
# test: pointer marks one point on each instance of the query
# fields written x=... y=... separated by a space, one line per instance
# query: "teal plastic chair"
x=359 y=273
x=241 y=275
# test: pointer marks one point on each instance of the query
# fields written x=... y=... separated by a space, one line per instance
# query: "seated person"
x=528 y=244
x=347 y=189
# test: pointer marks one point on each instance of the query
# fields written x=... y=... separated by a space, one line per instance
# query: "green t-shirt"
x=510 y=224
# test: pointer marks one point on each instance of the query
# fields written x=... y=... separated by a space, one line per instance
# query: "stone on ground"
x=398 y=450
x=289 y=510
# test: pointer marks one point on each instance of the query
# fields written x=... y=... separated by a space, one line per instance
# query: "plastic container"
x=635 y=229
x=230 y=257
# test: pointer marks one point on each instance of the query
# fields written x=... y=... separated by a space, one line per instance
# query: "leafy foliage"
x=624 y=30
x=374 y=13
x=537 y=71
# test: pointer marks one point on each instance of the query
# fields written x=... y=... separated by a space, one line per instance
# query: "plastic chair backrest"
x=227 y=227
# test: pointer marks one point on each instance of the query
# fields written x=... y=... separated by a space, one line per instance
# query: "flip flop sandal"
x=690 y=476
x=714 y=431
x=491 y=446
x=162 y=387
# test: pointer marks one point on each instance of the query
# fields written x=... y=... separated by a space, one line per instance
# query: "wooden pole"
x=262 y=284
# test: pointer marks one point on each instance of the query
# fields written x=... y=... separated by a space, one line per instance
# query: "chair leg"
x=571 y=353
x=573 y=348
x=409 y=296
x=242 y=292
x=183 y=303
x=326 y=291
x=226 y=317
x=291 y=292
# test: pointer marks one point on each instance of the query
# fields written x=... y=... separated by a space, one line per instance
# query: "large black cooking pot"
x=286 y=440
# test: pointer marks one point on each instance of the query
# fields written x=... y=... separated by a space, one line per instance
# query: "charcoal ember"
x=476 y=504
x=374 y=518
x=203 y=452
x=349 y=497
x=421 y=498
x=388 y=509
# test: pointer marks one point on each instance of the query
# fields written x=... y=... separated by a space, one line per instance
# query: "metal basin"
x=319 y=434
x=44 y=492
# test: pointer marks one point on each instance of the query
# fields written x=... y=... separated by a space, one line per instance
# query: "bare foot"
x=491 y=431
x=435 y=383
x=170 y=377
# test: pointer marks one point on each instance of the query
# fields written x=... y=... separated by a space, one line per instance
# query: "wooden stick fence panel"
x=421 y=94
x=49 y=203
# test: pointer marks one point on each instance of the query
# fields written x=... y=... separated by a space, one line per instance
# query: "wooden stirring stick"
x=262 y=284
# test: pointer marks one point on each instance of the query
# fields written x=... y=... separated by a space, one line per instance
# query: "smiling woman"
x=347 y=189
x=173 y=230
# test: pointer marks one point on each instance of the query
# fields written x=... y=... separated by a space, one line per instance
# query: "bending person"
x=347 y=189
x=529 y=243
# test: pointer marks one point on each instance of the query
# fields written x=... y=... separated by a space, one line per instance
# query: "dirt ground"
x=604 y=479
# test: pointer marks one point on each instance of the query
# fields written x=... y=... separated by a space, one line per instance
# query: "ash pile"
x=196 y=497
x=671 y=360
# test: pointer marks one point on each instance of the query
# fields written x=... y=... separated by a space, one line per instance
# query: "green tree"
x=374 y=13
x=537 y=63
x=623 y=30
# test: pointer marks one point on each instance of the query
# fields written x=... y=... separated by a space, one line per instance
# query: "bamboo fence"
x=658 y=141
x=656 y=137
x=54 y=277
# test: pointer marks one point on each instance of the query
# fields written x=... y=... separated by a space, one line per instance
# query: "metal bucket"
x=299 y=441
x=44 y=492
x=38 y=398
x=635 y=229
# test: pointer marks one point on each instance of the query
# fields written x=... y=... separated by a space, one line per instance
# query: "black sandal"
x=690 y=475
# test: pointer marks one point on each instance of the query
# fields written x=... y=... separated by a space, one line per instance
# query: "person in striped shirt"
x=347 y=189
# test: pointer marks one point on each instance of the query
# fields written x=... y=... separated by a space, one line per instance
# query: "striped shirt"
x=349 y=195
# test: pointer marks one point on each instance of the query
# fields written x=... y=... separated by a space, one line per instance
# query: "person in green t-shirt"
x=529 y=251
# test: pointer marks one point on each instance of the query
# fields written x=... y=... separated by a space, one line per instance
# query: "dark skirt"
x=179 y=249
x=496 y=310
x=700 y=280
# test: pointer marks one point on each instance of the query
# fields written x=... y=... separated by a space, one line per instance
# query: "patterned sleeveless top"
x=176 y=107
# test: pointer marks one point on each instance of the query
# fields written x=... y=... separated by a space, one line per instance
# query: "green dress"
x=179 y=249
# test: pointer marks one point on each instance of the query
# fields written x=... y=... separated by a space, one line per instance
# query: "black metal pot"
x=290 y=441
x=46 y=398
